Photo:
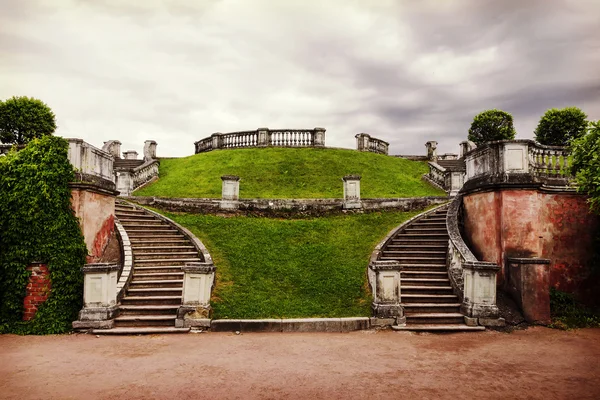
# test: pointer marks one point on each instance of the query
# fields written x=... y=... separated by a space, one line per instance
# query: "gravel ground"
x=537 y=363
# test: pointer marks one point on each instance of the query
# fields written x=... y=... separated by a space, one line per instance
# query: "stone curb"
x=292 y=325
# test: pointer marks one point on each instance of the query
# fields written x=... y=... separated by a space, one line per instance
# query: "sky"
x=403 y=71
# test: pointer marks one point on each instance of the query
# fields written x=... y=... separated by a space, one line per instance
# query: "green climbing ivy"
x=37 y=223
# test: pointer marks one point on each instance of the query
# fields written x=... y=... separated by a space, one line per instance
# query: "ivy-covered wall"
x=37 y=223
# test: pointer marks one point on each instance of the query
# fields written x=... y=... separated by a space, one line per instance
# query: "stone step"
x=139 y=331
x=149 y=242
x=425 y=247
x=151 y=300
x=408 y=239
x=157 y=275
x=147 y=310
x=145 y=320
x=161 y=227
x=127 y=215
x=406 y=253
x=157 y=233
x=165 y=261
x=437 y=225
x=425 y=290
x=440 y=327
x=163 y=249
x=416 y=260
x=425 y=281
x=431 y=307
x=119 y=208
x=423 y=267
x=154 y=292
x=133 y=223
x=434 y=318
x=424 y=274
x=421 y=230
x=158 y=283
x=428 y=298
x=148 y=255
x=157 y=269
x=423 y=235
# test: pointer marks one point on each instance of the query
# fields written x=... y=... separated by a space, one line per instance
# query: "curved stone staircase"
x=155 y=292
x=426 y=292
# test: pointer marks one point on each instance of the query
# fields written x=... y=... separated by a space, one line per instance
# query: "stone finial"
x=113 y=147
x=465 y=147
x=130 y=155
x=149 y=150
x=431 y=150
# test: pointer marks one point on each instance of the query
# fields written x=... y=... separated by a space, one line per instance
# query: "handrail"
x=364 y=142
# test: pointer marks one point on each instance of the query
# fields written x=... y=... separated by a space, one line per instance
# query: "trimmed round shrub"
x=491 y=125
x=560 y=127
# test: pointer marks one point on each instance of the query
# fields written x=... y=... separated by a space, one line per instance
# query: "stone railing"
x=90 y=160
x=263 y=137
x=449 y=181
x=145 y=173
x=437 y=175
x=473 y=281
x=518 y=161
x=364 y=142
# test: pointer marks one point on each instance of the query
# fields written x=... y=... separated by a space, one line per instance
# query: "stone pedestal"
x=431 y=150
x=113 y=147
x=480 y=290
x=386 y=291
x=465 y=147
x=130 y=155
x=529 y=284
x=217 y=141
x=319 y=137
x=99 y=296
x=230 y=192
x=352 y=192
x=264 y=137
x=362 y=141
x=197 y=286
x=149 y=150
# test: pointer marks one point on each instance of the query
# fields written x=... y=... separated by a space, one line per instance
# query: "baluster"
x=565 y=167
x=547 y=162
x=557 y=162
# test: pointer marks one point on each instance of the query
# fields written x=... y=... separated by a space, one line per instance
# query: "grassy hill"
x=290 y=173
x=274 y=268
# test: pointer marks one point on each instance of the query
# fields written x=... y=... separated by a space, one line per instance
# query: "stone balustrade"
x=262 y=137
x=518 y=161
x=364 y=142
x=90 y=160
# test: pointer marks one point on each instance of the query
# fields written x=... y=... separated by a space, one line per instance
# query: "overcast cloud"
x=403 y=71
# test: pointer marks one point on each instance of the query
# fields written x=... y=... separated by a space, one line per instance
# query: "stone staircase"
x=155 y=291
x=426 y=292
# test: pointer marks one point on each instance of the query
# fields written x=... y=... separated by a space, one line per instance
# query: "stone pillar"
x=217 y=141
x=362 y=141
x=130 y=155
x=456 y=182
x=149 y=150
x=264 y=137
x=529 y=284
x=480 y=291
x=37 y=290
x=466 y=147
x=99 y=296
x=230 y=192
x=431 y=150
x=113 y=147
x=319 y=137
x=198 y=281
x=386 y=291
x=352 y=191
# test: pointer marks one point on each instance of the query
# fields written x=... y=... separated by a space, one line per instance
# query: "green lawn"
x=273 y=268
x=290 y=173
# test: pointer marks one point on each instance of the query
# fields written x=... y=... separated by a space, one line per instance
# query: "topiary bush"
x=38 y=224
x=491 y=125
x=560 y=127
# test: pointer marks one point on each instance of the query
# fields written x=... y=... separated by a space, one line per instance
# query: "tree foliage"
x=25 y=118
x=38 y=224
x=559 y=127
x=585 y=164
x=491 y=125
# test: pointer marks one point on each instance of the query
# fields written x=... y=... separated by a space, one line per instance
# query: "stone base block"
x=85 y=325
x=387 y=310
x=471 y=321
x=352 y=205
x=479 y=310
x=382 y=322
x=492 y=322
x=192 y=323
x=229 y=205
x=400 y=321
x=311 y=325
x=98 y=313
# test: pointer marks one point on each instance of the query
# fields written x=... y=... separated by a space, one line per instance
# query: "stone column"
x=362 y=141
x=130 y=155
x=431 y=150
x=352 y=191
x=480 y=292
x=149 y=150
x=99 y=296
x=456 y=182
x=217 y=141
x=529 y=284
x=230 y=192
x=319 y=137
x=264 y=137
x=198 y=281
x=386 y=291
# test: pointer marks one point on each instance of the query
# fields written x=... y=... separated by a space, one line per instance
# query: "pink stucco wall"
x=530 y=223
x=96 y=213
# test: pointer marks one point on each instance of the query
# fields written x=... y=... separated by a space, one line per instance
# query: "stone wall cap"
x=532 y=260
x=100 y=267
x=230 y=178
x=481 y=266
x=351 y=178
x=382 y=265
x=204 y=267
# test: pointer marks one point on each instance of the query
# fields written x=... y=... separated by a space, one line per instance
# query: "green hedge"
x=37 y=223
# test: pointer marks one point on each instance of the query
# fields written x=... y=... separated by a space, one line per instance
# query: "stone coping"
x=481 y=266
x=198 y=267
x=293 y=325
x=127 y=253
x=100 y=267
x=533 y=260
x=230 y=178
x=385 y=265
x=351 y=178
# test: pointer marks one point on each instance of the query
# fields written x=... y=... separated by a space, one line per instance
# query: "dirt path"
x=535 y=364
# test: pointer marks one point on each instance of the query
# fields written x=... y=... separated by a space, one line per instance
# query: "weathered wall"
x=96 y=213
x=532 y=223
